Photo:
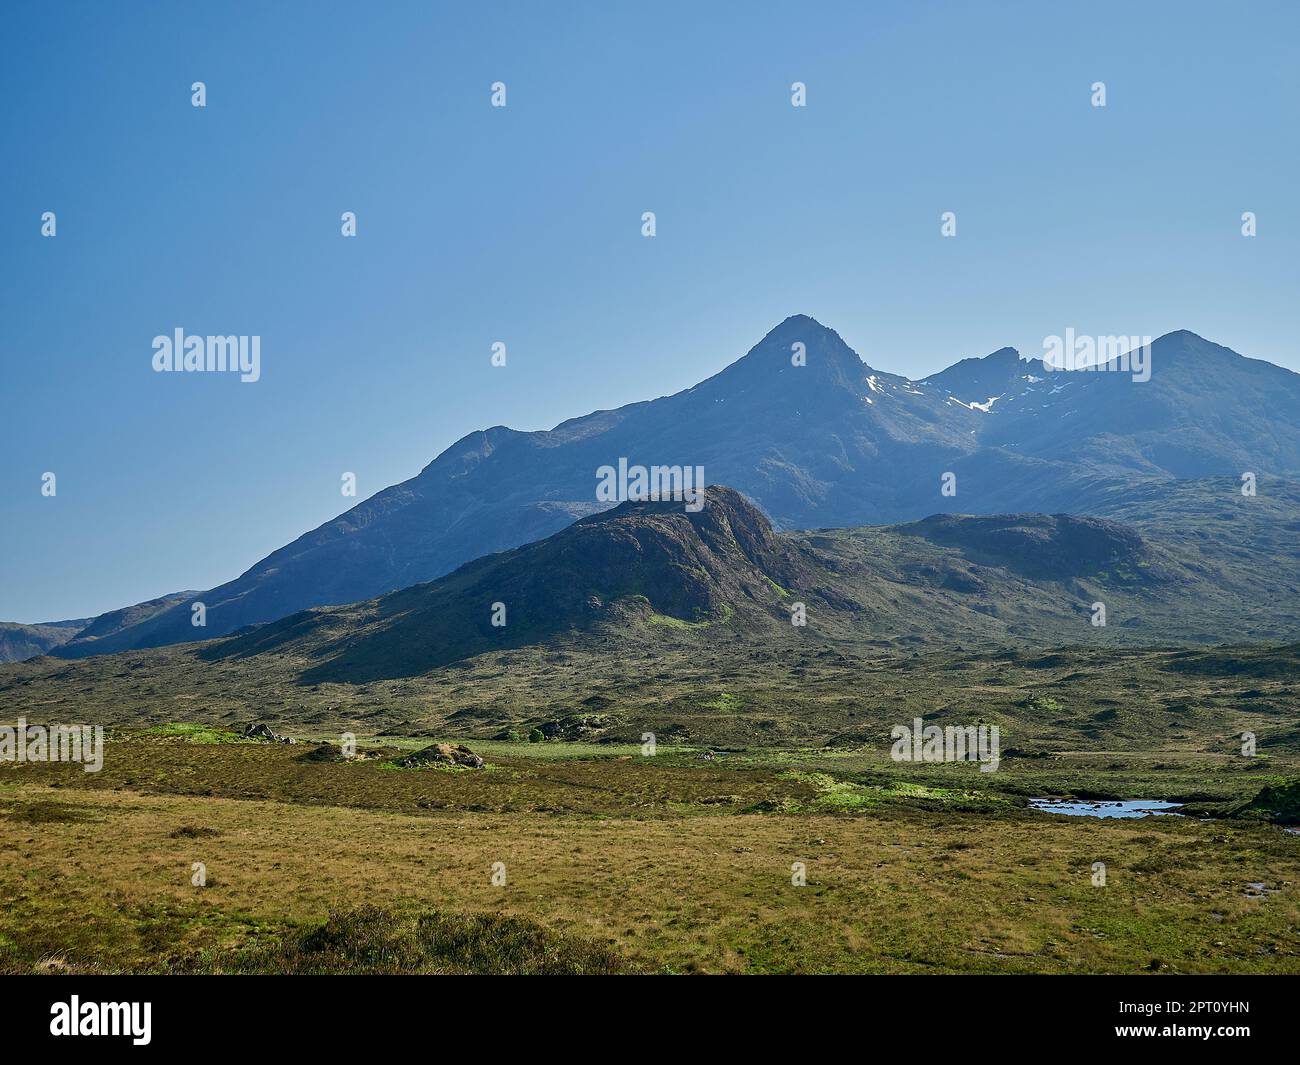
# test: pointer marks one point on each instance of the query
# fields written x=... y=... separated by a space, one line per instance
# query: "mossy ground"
x=680 y=862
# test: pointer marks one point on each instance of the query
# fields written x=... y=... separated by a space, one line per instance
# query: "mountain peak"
x=805 y=329
x=1182 y=335
x=982 y=378
x=1003 y=355
x=799 y=321
x=827 y=361
x=723 y=517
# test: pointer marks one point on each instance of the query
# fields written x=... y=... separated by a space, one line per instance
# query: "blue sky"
x=522 y=225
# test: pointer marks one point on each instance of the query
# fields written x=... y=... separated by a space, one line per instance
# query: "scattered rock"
x=260 y=731
x=573 y=727
x=442 y=754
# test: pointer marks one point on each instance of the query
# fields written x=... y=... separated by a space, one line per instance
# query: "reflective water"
x=1104 y=808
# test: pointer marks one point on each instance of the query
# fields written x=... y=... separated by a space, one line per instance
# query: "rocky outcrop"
x=452 y=754
x=261 y=731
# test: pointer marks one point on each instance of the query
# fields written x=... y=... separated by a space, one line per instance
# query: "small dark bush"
x=372 y=940
x=193 y=832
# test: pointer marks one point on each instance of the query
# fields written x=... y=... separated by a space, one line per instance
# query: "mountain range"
x=723 y=574
x=651 y=615
x=829 y=443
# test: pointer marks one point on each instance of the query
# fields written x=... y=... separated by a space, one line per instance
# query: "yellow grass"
x=896 y=891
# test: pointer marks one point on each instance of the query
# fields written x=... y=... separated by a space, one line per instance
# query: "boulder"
x=260 y=731
x=442 y=754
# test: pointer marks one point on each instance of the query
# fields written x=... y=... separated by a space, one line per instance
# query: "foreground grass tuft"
x=373 y=940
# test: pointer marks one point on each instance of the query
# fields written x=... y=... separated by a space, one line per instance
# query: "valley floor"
x=673 y=864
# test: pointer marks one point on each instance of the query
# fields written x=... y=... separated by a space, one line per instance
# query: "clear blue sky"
x=523 y=225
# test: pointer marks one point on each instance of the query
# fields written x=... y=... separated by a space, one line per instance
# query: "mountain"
x=1047 y=546
x=23 y=641
x=107 y=625
x=1206 y=411
x=830 y=443
x=640 y=572
x=637 y=561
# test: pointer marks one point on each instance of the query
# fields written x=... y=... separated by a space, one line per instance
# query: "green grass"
x=436 y=767
x=833 y=793
x=567 y=751
x=668 y=622
x=783 y=592
x=197 y=733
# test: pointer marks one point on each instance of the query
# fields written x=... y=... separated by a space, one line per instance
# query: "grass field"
x=682 y=861
x=616 y=862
